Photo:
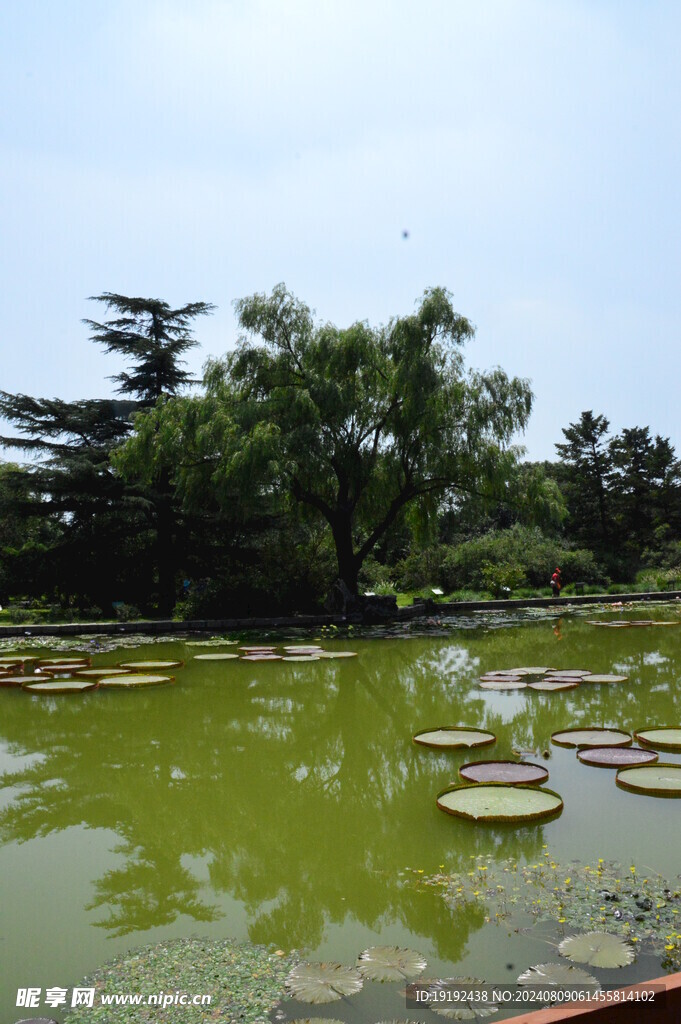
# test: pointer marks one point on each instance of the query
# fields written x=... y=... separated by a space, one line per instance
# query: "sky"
x=204 y=150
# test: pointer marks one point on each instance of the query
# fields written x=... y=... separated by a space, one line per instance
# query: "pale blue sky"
x=205 y=150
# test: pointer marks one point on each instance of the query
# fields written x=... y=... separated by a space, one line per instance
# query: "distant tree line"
x=311 y=454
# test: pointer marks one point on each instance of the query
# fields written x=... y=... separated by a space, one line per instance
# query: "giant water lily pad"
x=496 y=801
x=52 y=686
x=259 y=649
x=151 y=665
x=596 y=678
x=337 y=654
x=133 y=679
x=451 y=736
x=10 y=680
x=615 y=757
x=503 y=684
x=598 y=949
x=510 y=772
x=659 y=779
x=70 y=668
x=390 y=963
x=300 y=657
x=568 y=673
x=534 y=670
x=99 y=673
x=661 y=737
x=215 y=657
x=323 y=982
x=45 y=662
x=550 y=685
x=591 y=737
x=558 y=976
x=261 y=657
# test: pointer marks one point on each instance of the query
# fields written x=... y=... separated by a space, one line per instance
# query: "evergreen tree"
x=584 y=475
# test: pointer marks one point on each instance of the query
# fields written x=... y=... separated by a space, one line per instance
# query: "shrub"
x=503 y=577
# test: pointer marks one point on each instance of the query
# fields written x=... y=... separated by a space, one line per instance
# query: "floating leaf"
x=47 y=662
x=662 y=737
x=604 y=679
x=133 y=679
x=450 y=736
x=468 y=1009
x=259 y=649
x=653 y=779
x=8 y=680
x=503 y=684
x=490 y=678
x=598 y=949
x=300 y=657
x=496 y=801
x=152 y=666
x=317 y=1020
x=558 y=975
x=51 y=686
x=616 y=757
x=568 y=673
x=337 y=654
x=215 y=657
x=261 y=657
x=549 y=685
x=510 y=772
x=592 y=737
x=98 y=673
x=534 y=670
x=505 y=672
x=390 y=963
x=323 y=982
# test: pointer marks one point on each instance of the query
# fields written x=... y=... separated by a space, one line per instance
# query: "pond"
x=284 y=802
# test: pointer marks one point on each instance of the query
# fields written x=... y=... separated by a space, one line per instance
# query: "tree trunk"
x=348 y=563
x=165 y=554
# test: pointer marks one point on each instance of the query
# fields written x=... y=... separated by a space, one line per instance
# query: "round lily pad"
x=513 y=773
x=134 y=679
x=466 y=1009
x=596 y=678
x=10 y=680
x=300 y=657
x=302 y=647
x=65 y=661
x=504 y=672
x=64 y=669
x=323 y=982
x=99 y=673
x=496 y=801
x=598 y=949
x=568 y=673
x=558 y=976
x=261 y=657
x=502 y=679
x=534 y=670
x=659 y=779
x=616 y=757
x=259 y=649
x=450 y=736
x=50 y=686
x=337 y=654
x=503 y=684
x=151 y=666
x=662 y=737
x=549 y=685
x=390 y=963
x=215 y=657
x=591 y=736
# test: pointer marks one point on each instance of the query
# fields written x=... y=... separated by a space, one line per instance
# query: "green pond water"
x=285 y=803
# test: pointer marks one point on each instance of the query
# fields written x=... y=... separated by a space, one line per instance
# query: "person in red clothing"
x=556 y=583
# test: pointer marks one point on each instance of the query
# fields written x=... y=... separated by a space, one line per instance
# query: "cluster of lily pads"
x=639 y=770
x=622 y=623
x=76 y=674
x=319 y=983
x=271 y=652
x=543 y=679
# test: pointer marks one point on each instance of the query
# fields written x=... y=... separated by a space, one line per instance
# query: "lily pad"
x=451 y=736
x=134 y=679
x=558 y=976
x=300 y=657
x=99 y=673
x=323 y=982
x=598 y=949
x=534 y=670
x=261 y=657
x=151 y=666
x=661 y=737
x=337 y=654
x=259 y=649
x=215 y=657
x=568 y=673
x=469 y=1009
x=9 y=680
x=604 y=679
x=616 y=757
x=659 y=779
x=591 y=736
x=299 y=648
x=503 y=684
x=496 y=801
x=50 y=686
x=390 y=963
x=510 y=772
x=550 y=685
x=503 y=672
x=45 y=662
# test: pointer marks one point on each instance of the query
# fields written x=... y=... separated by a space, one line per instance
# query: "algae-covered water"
x=285 y=803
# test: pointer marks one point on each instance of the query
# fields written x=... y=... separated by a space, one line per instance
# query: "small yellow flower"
x=561 y=920
x=669 y=947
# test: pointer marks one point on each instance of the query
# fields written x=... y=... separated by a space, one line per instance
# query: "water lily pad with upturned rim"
x=47 y=687
x=151 y=665
x=568 y=673
x=604 y=678
x=598 y=949
x=215 y=657
x=551 y=685
x=616 y=757
x=323 y=982
x=131 y=680
x=300 y=657
x=591 y=736
x=499 y=802
x=337 y=654
x=100 y=673
x=661 y=737
x=512 y=773
x=448 y=737
x=10 y=680
x=502 y=685
x=390 y=963
x=661 y=779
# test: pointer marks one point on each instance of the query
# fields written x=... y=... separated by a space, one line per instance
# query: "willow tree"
x=358 y=423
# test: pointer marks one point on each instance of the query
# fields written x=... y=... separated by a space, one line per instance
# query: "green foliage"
x=502 y=577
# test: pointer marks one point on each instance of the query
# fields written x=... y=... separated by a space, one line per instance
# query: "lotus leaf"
x=323 y=982
x=390 y=963
x=592 y=737
x=558 y=975
x=615 y=757
x=510 y=772
x=495 y=801
x=652 y=779
x=449 y=736
x=598 y=949
x=662 y=737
